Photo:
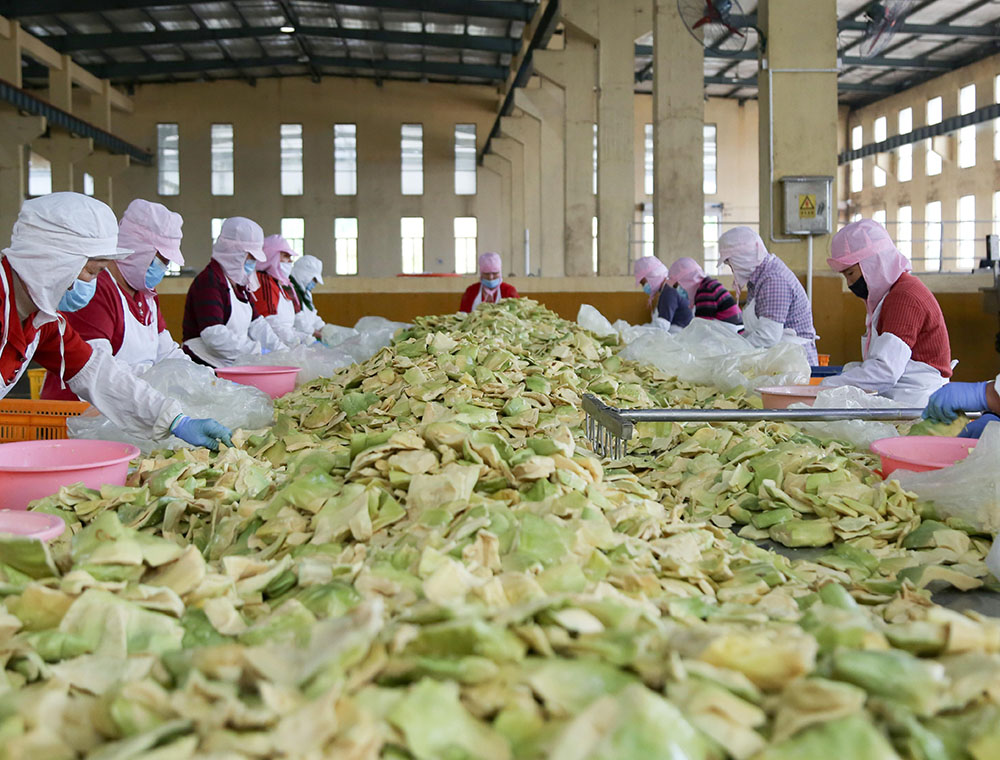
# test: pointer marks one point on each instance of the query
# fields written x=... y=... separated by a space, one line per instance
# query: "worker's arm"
x=887 y=358
x=993 y=396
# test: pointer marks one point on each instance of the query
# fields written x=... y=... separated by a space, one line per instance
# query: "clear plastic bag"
x=374 y=334
x=861 y=433
x=591 y=319
x=334 y=335
x=968 y=490
x=200 y=393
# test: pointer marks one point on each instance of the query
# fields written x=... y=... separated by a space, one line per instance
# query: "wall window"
x=595 y=161
x=291 y=159
x=411 y=146
x=996 y=122
x=933 y=159
x=856 y=217
x=904 y=155
x=411 y=231
x=222 y=159
x=648 y=249
x=648 y=161
x=293 y=229
x=345 y=159
x=711 y=185
x=217 y=226
x=168 y=159
x=711 y=229
x=878 y=215
x=932 y=237
x=904 y=231
x=593 y=231
x=345 y=236
x=466 y=231
x=465 y=159
x=88 y=184
x=966 y=232
x=39 y=175
x=967 y=135
x=857 y=167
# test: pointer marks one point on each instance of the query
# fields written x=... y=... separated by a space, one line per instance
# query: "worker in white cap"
x=221 y=318
x=306 y=274
x=491 y=288
x=59 y=245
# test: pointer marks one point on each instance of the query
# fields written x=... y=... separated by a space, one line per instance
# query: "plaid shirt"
x=778 y=295
x=207 y=301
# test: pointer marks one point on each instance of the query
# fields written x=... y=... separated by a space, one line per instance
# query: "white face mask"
x=286 y=268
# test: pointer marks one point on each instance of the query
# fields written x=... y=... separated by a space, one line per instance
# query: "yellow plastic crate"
x=24 y=420
x=37 y=379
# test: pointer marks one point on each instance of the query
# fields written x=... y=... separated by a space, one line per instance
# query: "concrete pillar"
x=61 y=86
x=615 y=139
x=501 y=166
x=10 y=55
x=798 y=113
x=16 y=132
x=678 y=142
x=63 y=151
x=524 y=129
x=513 y=152
x=104 y=167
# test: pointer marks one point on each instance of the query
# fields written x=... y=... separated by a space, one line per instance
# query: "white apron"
x=140 y=342
x=240 y=316
x=8 y=293
x=479 y=298
x=285 y=312
x=752 y=324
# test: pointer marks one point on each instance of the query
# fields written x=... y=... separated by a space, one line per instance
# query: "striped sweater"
x=713 y=301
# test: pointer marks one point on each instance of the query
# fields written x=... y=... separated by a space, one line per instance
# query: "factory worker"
x=706 y=295
x=950 y=400
x=905 y=349
x=60 y=244
x=276 y=298
x=668 y=307
x=221 y=318
x=777 y=308
x=490 y=288
x=306 y=274
x=124 y=316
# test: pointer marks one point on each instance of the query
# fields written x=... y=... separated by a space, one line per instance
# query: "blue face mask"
x=647 y=289
x=491 y=284
x=157 y=270
x=310 y=286
x=685 y=298
x=78 y=296
x=249 y=266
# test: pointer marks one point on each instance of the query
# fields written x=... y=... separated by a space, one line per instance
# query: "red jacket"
x=469 y=297
x=269 y=293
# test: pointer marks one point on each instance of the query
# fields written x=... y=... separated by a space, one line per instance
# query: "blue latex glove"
x=975 y=428
x=264 y=351
x=948 y=400
x=204 y=432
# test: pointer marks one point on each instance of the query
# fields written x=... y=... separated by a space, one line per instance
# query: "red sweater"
x=269 y=293
x=469 y=297
x=911 y=313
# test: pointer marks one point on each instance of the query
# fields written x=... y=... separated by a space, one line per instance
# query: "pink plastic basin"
x=32 y=469
x=783 y=396
x=40 y=525
x=274 y=381
x=921 y=453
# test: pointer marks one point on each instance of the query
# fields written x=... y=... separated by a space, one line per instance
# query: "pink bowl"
x=30 y=470
x=783 y=396
x=921 y=453
x=40 y=525
x=274 y=381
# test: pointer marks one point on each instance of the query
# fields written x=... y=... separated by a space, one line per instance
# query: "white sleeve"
x=227 y=344
x=132 y=404
x=660 y=323
x=261 y=332
x=767 y=333
x=308 y=321
x=285 y=332
x=102 y=344
x=881 y=370
x=167 y=348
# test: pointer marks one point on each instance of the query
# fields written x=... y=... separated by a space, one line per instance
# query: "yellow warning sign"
x=807 y=206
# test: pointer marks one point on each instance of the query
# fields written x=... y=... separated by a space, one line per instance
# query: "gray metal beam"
x=513 y=10
x=841 y=86
x=928 y=30
x=70 y=43
x=134 y=71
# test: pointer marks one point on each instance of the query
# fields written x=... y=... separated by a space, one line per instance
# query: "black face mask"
x=860 y=288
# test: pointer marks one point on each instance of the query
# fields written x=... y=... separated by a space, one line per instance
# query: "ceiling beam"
x=512 y=10
x=841 y=86
x=928 y=30
x=915 y=64
x=70 y=43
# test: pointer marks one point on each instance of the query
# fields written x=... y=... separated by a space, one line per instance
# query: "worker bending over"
x=777 y=309
x=905 y=349
x=221 y=318
x=706 y=295
x=60 y=244
x=276 y=298
x=668 y=309
x=307 y=272
x=490 y=288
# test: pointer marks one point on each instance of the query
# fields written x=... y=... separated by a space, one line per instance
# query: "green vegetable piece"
x=852 y=737
x=794 y=533
x=896 y=676
x=772 y=517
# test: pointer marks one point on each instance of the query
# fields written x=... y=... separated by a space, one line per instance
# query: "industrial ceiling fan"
x=884 y=19
x=719 y=25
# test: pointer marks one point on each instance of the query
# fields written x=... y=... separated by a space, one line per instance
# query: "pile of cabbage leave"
x=422 y=559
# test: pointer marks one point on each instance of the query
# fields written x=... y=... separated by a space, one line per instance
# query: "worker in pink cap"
x=906 y=352
x=490 y=288
x=668 y=309
x=123 y=316
x=707 y=295
x=276 y=298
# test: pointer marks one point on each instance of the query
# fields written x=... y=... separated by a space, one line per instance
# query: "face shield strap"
x=61 y=322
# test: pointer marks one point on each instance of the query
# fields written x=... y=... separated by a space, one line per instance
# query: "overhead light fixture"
x=287 y=29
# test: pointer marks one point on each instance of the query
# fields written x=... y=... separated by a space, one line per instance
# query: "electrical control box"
x=808 y=205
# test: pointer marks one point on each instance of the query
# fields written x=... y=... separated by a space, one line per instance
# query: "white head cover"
x=307 y=269
x=148 y=228
x=53 y=238
x=744 y=251
x=238 y=237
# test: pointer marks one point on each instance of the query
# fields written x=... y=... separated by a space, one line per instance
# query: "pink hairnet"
x=490 y=262
x=238 y=237
x=868 y=244
x=274 y=246
x=652 y=270
x=148 y=228
x=687 y=273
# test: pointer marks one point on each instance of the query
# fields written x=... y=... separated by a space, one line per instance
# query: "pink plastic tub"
x=40 y=525
x=783 y=396
x=921 y=453
x=32 y=469
x=274 y=381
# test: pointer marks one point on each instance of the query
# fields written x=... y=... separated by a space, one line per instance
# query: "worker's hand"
x=203 y=432
x=948 y=400
x=975 y=428
x=264 y=351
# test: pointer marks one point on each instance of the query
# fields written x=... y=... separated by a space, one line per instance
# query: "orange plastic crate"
x=30 y=420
